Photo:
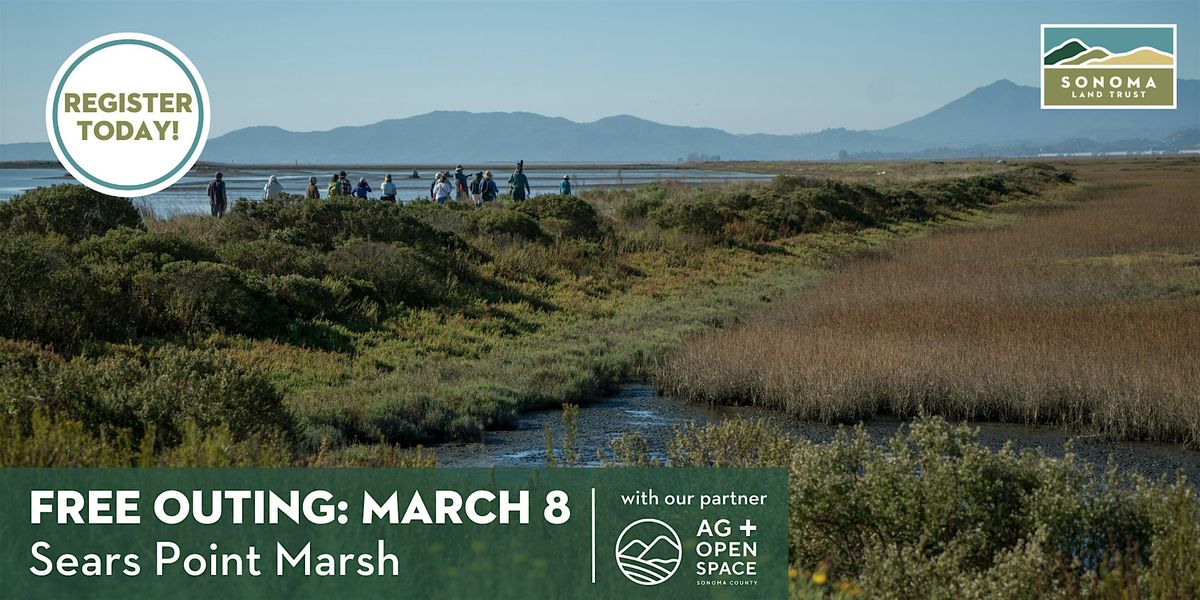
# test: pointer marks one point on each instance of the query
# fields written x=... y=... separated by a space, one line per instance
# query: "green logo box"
x=1109 y=66
x=366 y=533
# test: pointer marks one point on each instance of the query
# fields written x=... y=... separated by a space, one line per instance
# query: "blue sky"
x=776 y=67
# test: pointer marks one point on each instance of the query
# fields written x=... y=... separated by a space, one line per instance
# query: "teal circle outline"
x=195 y=89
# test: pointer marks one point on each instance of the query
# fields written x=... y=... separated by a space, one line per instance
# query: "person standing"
x=564 y=188
x=476 y=185
x=442 y=190
x=460 y=184
x=362 y=189
x=311 y=192
x=272 y=189
x=216 y=195
x=387 y=189
x=344 y=186
x=335 y=187
x=518 y=183
x=487 y=189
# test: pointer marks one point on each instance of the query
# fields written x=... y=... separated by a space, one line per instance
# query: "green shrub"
x=138 y=249
x=576 y=218
x=399 y=273
x=274 y=257
x=191 y=297
x=934 y=513
x=511 y=223
x=328 y=224
x=160 y=390
x=304 y=297
x=72 y=211
x=701 y=217
x=46 y=296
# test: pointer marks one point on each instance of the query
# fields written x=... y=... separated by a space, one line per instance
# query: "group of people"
x=479 y=188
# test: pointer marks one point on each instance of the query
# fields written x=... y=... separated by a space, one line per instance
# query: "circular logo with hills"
x=648 y=552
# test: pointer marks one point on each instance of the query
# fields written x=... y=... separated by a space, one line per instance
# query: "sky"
x=745 y=67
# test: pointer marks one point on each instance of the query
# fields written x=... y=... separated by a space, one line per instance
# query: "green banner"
x=1131 y=87
x=400 y=533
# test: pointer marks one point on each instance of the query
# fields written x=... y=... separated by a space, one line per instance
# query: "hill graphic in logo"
x=1108 y=66
x=648 y=552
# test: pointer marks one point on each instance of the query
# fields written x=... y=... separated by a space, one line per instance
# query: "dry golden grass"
x=1086 y=316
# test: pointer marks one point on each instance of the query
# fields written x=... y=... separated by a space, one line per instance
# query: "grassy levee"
x=332 y=326
x=1085 y=315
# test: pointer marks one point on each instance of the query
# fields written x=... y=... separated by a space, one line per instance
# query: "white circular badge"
x=127 y=114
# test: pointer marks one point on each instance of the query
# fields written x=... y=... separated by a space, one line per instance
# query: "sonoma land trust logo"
x=1108 y=66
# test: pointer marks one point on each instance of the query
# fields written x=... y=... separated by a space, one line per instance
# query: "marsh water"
x=187 y=196
x=637 y=407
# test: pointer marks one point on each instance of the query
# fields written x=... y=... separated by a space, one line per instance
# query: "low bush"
x=573 y=217
x=399 y=273
x=275 y=257
x=193 y=298
x=509 y=223
x=45 y=295
x=158 y=391
x=137 y=249
x=70 y=210
x=934 y=513
x=304 y=297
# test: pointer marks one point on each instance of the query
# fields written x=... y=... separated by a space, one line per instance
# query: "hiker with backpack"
x=487 y=189
x=362 y=190
x=344 y=187
x=518 y=183
x=476 y=186
x=460 y=184
x=335 y=187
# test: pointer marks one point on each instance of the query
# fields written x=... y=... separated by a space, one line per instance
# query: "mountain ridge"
x=1001 y=118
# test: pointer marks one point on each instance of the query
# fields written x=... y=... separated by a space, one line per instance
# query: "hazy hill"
x=1005 y=113
x=480 y=137
x=1000 y=118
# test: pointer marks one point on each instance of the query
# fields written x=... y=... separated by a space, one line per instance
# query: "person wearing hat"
x=335 y=187
x=476 y=184
x=344 y=187
x=460 y=183
x=216 y=195
x=362 y=190
x=518 y=183
x=564 y=188
x=311 y=192
x=487 y=189
x=387 y=189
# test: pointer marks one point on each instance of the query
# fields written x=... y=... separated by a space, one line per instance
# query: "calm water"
x=187 y=195
x=637 y=407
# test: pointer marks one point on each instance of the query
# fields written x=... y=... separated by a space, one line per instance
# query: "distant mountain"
x=484 y=137
x=1069 y=49
x=30 y=151
x=1002 y=118
x=1007 y=114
